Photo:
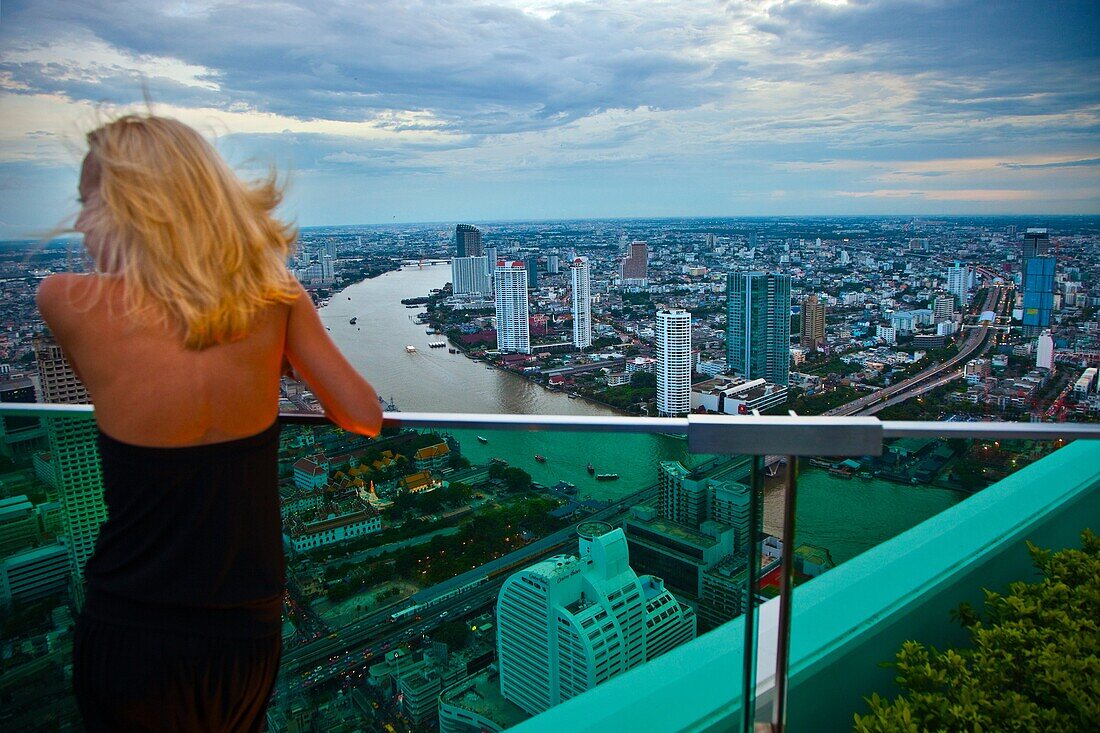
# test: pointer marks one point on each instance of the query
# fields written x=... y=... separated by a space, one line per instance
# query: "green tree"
x=455 y=634
x=1033 y=664
x=517 y=479
x=643 y=380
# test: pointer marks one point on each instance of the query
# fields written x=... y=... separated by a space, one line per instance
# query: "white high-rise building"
x=567 y=624
x=470 y=275
x=328 y=268
x=552 y=264
x=673 y=362
x=582 y=303
x=510 y=286
x=957 y=282
x=1044 y=352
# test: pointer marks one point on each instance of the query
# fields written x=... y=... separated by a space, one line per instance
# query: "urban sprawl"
x=418 y=579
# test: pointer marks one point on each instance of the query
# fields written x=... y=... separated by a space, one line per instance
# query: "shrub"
x=1033 y=664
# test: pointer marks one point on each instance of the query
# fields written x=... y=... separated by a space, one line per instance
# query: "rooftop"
x=480 y=694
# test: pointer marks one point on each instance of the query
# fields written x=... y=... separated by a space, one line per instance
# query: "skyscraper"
x=468 y=241
x=1036 y=243
x=582 y=303
x=673 y=362
x=636 y=265
x=552 y=264
x=957 y=282
x=1038 y=286
x=532 y=262
x=943 y=308
x=74 y=454
x=813 y=323
x=510 y=287
x=470 y=275
x=758 y=325
x=567 y=624
x=490 y=261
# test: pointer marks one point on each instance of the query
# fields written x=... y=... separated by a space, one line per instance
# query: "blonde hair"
x=194 y=245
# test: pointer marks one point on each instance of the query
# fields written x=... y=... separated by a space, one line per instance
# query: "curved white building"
x=569 y=623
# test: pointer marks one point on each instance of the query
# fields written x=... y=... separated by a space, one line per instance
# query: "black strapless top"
x=193 y=539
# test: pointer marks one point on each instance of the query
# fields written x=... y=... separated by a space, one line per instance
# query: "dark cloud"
x=479 y=69
x=964 y=57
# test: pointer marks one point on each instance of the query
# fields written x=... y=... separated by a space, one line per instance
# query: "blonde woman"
x=180 y=335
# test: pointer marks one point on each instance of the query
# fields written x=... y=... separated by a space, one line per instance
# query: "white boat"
x=411 y=349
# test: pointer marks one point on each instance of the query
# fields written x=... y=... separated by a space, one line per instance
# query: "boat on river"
x=591 y=469
x=410 y=349
x=481 y=439
x=607 y=477
x=353 y=320
x=540 y=459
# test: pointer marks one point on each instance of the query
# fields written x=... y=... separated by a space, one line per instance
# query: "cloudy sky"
x=445 y=110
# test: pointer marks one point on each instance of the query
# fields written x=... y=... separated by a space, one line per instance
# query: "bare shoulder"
x=63 y=293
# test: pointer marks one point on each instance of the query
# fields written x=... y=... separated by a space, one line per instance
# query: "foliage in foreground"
x=1034 y=661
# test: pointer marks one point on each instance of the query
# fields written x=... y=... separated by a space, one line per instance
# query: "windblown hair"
x=196 y=247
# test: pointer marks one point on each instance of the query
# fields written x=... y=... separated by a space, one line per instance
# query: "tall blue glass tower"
x=758 y=325
x=1038 y=285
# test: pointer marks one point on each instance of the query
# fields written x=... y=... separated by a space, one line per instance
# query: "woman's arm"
x=348 y=399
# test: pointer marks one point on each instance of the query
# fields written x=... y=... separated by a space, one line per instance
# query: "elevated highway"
x=895 y=393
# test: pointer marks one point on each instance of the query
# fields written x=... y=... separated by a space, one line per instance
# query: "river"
x=844 y=516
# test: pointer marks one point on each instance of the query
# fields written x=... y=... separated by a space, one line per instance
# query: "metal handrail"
x=748 y=428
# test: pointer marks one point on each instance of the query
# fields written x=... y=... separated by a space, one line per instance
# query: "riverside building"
x=673 y=362
x=470 y=275
x=510 y=289
x=758 y=325
x=582 y=303
x=468 y=241
x=567 y=624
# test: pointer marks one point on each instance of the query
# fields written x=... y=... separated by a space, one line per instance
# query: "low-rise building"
x=355 y=518
x=432 y=457
x=732 y=395
x=34 y=574
x=311 y=473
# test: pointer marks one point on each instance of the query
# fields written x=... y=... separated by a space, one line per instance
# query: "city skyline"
x=576 y=110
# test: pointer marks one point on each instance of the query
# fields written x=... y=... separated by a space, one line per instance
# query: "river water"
x=844 y=516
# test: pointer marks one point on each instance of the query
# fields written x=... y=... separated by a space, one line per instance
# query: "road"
x=908 y=388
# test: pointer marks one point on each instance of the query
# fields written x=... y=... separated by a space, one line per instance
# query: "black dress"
x=181 y=624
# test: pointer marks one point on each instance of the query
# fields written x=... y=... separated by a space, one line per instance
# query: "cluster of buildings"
x=745 y=306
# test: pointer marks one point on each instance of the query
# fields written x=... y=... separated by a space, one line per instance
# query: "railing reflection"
x=438 y=517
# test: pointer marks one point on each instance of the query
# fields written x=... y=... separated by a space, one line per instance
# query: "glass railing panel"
x=398 y=549
x=847 y=506
x=465 y=510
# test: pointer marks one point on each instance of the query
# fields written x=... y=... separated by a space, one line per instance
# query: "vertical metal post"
x=748 y=672
x=786 y=597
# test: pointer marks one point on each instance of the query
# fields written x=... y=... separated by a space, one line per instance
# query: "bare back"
x=147 y=387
